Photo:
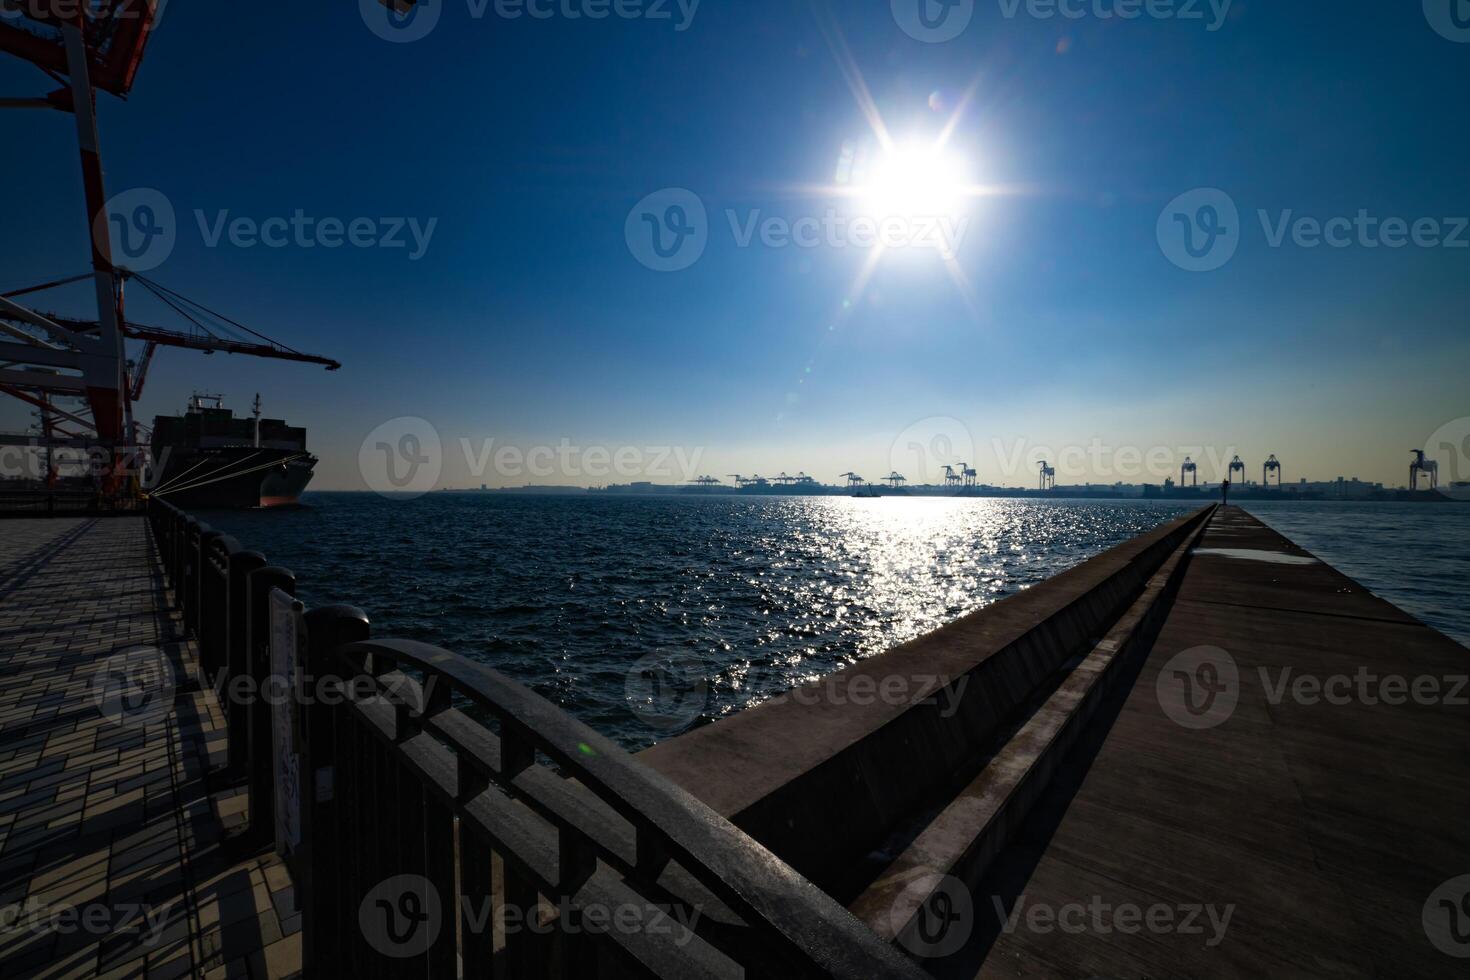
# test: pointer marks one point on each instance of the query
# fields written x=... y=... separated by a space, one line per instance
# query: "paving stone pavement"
x=116 y=852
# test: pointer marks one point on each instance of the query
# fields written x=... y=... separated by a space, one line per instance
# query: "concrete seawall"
x=848 y=766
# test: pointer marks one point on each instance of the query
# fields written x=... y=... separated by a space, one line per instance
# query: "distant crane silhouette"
x=1191 y=469
x=740 y=481
x=706 y=481
x=1048 y=476
x=969 y=474
x=894 y=479
x=853 y=480
x=783 y=479
x=951 y=478
x=1429 y=467
x=1272 y=465
x=1237 y=464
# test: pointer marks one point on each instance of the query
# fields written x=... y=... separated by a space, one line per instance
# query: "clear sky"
x=1064 y=319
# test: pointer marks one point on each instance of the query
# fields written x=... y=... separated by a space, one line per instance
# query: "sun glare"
x=913 y=181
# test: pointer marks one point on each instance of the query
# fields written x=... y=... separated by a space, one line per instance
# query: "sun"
x=913 y=181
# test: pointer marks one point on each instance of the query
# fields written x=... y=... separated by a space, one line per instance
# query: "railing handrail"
x=603 y=828
x=756 y=884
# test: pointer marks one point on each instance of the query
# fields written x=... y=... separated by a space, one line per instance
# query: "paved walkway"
x=1329 y=822
x=115 y=859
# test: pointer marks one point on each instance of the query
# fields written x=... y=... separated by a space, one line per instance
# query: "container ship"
x=207 y=459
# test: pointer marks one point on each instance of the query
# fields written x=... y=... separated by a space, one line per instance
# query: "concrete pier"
x=1258 y=768
x=116 y=857
x=1327 y=806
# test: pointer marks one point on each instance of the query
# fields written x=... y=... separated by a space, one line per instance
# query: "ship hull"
x=233 y=478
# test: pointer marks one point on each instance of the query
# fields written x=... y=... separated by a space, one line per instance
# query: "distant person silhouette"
x=1225 y=493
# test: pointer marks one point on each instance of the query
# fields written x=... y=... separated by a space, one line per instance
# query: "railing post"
x=188 y=587
x=200 y=593
x=237 y=638
x=326 y=923
x=179 y=535
x=258 y=711
x=206 y=621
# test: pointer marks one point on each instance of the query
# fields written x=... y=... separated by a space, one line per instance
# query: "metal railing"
x=455 y=823
x=65 y=502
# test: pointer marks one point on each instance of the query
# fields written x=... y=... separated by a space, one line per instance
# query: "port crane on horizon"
x=88 y=48
x=1271 y=465
x=895 y=479
x=1237 y=464
x=1429 y=467
x=1048 y=476
x=853 y=480
x=1190 y=468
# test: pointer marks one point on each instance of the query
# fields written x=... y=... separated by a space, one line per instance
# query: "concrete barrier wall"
x=824 y=775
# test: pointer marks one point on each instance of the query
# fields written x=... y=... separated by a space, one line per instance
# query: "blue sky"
x=529 y=321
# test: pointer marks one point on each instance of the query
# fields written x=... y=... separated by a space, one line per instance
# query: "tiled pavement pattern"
x=115 y=859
